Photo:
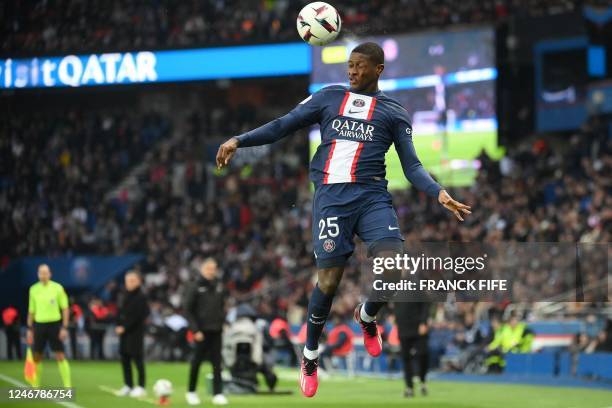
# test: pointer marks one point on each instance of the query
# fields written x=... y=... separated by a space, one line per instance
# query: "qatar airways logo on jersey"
x=354 y=129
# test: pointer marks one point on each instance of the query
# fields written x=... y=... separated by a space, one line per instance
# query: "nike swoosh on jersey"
x=393 y=228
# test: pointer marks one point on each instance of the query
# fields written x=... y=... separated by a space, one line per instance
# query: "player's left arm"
x=30 y=318
x=63 y=303
x=416 y=173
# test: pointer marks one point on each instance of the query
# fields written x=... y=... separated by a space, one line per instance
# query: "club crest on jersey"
x=354 y=129
x=329 y=245
x=357 y=106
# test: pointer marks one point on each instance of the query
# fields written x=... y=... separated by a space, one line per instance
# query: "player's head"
x=365 y=65
x=208 y=268
x=132 y=280
x=44 y=273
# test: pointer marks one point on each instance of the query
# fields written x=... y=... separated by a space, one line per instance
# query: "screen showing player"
x=446 y=81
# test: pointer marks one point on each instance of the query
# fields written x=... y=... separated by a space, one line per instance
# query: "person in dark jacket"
x=411 y=319
x=132 y=313
x=76 y=315
x=12 y=325
x=204 y=306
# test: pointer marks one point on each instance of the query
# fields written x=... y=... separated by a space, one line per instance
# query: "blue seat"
x=565 y=363
x=597 y=365
x=530 y=363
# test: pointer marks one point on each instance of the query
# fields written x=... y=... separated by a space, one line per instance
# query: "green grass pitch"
x=93 y=382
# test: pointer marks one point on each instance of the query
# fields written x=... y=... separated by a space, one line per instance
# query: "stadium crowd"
x=68 y=25
x=55 y=169
x=258 y=224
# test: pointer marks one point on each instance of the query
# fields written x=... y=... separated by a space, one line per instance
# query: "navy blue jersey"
x=356 y=132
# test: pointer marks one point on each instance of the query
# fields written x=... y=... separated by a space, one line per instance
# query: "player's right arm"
x=305 y=114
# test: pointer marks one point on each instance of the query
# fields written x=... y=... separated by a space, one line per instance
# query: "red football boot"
x=371 y=338
x=308 y=377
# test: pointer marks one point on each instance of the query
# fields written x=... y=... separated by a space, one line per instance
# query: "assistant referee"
x=48 y=315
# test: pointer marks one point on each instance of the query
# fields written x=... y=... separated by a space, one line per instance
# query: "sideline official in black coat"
x=133 y=312
x=411 y=319
x=204 y=306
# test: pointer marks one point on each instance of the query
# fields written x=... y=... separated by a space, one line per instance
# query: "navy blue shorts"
x=343 y=210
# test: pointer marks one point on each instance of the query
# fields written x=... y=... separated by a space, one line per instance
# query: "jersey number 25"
x=328 y=226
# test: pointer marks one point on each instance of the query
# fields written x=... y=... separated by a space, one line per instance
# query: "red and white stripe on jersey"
x=341 y=161
x=357 y=106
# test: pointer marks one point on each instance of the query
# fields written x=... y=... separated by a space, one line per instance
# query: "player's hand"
x=226 y=151
x=63 y=334
x=120 y=330
x=422 y=329
x=453 y=206
x=198 y=336
x=30 y=337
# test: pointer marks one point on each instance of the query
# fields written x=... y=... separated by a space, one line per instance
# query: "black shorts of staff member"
x=47 y=333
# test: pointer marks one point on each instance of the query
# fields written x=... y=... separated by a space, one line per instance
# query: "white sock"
x=311 y=354
x=364 y=316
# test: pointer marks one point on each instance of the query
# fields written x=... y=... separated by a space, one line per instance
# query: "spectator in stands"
x=339 y=342
x=467 y=345
x=158 y=331
x=75 y=324
x=97 y=322
x=582 y=343
x=176 y=325
x=280 y=333
x=12 y=329
x=511 y=337
x=604 y=338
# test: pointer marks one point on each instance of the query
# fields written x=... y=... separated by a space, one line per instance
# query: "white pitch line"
x=16 y=383
x=113 y=391
x=107 y=389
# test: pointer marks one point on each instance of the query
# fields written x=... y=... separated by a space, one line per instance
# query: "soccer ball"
x=318 y=23
x=162 y=388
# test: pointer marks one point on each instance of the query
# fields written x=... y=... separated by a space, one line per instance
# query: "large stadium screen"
x=446 y=81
